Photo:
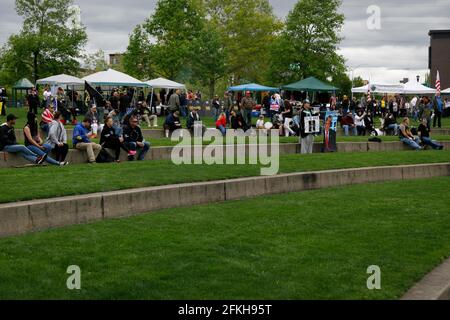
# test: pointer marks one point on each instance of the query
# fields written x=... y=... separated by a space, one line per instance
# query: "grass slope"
x=48 y=182
x=311 y=245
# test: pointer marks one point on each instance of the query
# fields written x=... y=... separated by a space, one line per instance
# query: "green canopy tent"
x=310 y=84
x=20 y=86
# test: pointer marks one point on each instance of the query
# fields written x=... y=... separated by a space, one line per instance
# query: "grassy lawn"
x=48 y=182
x=310 y=245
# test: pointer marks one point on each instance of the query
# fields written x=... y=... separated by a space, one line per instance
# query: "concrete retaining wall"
x=29 y=216
x=164 y=153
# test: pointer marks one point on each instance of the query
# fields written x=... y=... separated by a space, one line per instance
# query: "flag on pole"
x=94 y=95
x=438 y=83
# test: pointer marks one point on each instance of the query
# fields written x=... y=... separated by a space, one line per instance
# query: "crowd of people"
x=116 y=120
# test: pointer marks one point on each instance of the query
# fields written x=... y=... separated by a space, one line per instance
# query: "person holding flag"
x=438 y=104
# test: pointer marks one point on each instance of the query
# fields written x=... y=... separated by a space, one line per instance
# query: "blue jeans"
x=427 y=141
x=40 y=152
x=394 y=127
x=184 y=111
x=23 y=151
x=347 y=129
x=134 y=147
x=223 y=130
x=414 y=144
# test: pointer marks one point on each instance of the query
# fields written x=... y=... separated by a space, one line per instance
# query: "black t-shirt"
x=424 y=132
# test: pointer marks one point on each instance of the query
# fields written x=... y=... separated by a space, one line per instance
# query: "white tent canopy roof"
x=447 y=91
x=113 y=78
x=379 y=88
x=414 y=87
x=61 y=79
x=161 y=83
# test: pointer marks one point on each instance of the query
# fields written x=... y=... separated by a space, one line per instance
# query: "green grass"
x=48 y=182
x=311 y=245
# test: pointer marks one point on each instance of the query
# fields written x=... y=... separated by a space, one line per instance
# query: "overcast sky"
x=399 y=49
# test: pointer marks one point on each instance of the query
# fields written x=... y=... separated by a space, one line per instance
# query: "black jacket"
x=191 y=120
x=7 y=136
x=132 y=135
x=107 y=135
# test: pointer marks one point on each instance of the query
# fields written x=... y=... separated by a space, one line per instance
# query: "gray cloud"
x=400 y=45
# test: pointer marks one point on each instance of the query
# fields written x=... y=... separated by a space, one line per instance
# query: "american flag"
x=438 y=83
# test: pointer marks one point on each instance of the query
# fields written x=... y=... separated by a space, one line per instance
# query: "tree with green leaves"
x=309 y=43
x=248 y=29
x=96 y=61
x=166 y=39
x=209 y=62
x=51 y=40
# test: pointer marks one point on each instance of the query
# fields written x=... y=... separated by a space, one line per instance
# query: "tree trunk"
x=212 y=88
x=35 y=66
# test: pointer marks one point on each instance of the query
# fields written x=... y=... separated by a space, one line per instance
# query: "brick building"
x=439 y=57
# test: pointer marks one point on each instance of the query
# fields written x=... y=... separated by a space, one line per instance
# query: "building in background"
x=115 y=60
x=439 y=57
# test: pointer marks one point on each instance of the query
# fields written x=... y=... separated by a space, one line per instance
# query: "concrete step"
x=165 y=153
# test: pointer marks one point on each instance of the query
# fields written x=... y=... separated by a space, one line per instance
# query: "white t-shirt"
x=359 y=121
x=260 y=124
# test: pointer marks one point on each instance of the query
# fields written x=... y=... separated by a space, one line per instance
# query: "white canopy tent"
x=414 y=87
x=161 y=83
x=113 y=78
x=61 y=79
x=379 y=88
x=447 y=91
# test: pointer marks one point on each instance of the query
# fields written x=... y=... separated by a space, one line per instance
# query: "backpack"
x=104 y=157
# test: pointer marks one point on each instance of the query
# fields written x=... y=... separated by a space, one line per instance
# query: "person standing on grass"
x=134 y=140
x=407 y=137
x=110 y=140
x=34 y=142
x=82 y=142
x=8 y=142
x=306 y=138
x=174 y=102
x=438 y=106
x=228 y=104
x=57 y=138
x=33 y=101
x=247 y=106
x=424 y=135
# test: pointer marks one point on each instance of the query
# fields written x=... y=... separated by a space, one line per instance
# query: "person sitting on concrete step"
x=424 y=134
x=8 y=142
x=57 y=138
x=34 y=142
x=407 y=137
x=134 y=140
x=82 y=142
x=111 y=140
